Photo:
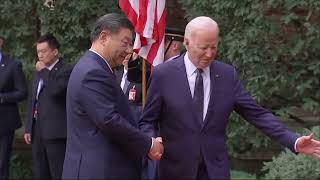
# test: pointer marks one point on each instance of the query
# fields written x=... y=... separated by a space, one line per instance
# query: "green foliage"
x=243 y=137
x=19 y=169
x=22 y=22
x=241 y=175
x=290 y=166
x=275 y=46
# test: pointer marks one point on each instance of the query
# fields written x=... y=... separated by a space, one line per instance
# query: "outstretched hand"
x=157 y=149
x=309 y=146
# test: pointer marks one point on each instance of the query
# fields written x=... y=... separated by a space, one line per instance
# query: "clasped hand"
x=157 y=149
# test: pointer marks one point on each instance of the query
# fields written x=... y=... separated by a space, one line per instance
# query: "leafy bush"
x=19 y=168
x=290 y=166
x=241 y=175
x=22 y=22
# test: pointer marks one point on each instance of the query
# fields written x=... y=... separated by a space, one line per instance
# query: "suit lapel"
x=35 y=82
x=185 y=89
x=119 y=74
x=53 y=71
x=214 y=78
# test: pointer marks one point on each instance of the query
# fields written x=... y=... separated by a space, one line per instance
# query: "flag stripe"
x=149 y=19
x=130 y=10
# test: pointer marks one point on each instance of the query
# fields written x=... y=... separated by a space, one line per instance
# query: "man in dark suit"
x=46 y=121
x=104 y=141
x=13 y=89
x=132 y=71
x=132 y=90
x=191 y=99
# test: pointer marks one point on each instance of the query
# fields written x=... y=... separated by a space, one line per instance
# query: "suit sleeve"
x=261 y=118
x=56 y=83
x=98 y=95
x=30 y=103
x=152 y=111
x=20 y=91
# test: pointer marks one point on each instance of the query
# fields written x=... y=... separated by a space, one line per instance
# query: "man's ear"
x=175 y=45
x=55 y=52
x=186 y=42
x=104 y=36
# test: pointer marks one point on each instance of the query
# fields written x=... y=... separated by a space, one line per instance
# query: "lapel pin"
x=2 y=65
x=217 y=75
x=55 y=69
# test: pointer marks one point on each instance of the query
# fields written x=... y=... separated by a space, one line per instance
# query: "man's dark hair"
x=112 y=23
x=50 y=39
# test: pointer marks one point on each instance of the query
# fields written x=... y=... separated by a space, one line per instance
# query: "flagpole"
x=144 y=83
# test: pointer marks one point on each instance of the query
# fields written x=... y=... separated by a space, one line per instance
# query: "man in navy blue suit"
x=13 y=89
x=46 y=126
x=103 y=139
x=190 y=100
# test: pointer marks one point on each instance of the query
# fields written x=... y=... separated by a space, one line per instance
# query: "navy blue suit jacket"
x=185 y=137
x=13 y=89
x=103 y=139
x=52 y=117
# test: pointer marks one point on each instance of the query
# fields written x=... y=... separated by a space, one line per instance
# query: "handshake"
x=157 y=149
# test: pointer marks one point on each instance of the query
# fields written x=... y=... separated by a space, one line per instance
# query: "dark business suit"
x=103 y=138
x=187 y=139
x=48 y=130
x=136 y=104
x=13 y=89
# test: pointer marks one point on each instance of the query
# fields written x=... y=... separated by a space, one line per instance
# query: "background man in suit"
x=133 y=93
x=13 y=89
x=132 y=90
x=193 y=113
x=173 y=43
x=104 y=141
x=46 y=123
x=173 y=49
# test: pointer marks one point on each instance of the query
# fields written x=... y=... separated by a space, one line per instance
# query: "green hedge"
x=291 y=166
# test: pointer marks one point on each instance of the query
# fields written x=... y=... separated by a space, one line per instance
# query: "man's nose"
x=210 y=52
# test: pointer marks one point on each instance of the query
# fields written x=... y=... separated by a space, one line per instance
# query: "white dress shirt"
x=169 y=59
x=124 y=77
x=52 y=65
x=191 y=75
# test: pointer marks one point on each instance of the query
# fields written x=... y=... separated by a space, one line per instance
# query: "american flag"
x=149 y=20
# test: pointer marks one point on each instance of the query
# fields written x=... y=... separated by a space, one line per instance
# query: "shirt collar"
x=102 y=58
x=191 y=68
x=53 y=64
x=169 y=59
x=125 y=71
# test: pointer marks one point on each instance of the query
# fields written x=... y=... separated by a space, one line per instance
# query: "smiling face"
x=118 y=46
x=202 y=46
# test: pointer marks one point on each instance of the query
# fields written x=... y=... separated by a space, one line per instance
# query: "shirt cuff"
x=152 y=139
x=295 y=145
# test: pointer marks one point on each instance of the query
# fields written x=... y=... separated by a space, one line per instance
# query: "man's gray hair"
x=112 y=23
x=199 y=23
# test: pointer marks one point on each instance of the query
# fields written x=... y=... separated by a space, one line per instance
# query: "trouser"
x=5 y=152
x=48 y=156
